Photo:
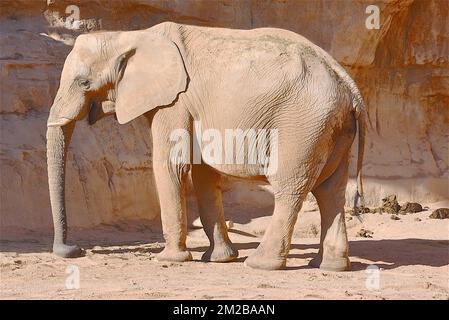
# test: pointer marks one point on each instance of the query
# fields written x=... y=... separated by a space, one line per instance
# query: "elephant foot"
x=331 y=264
x=223 y=253
x=315 y=262
x=265 y=262
x=66 y=251
x=171 y=255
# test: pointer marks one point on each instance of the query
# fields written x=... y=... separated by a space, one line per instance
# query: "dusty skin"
x=412 y=256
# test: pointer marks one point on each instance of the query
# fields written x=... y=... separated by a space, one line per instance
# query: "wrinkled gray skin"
x=262 y=78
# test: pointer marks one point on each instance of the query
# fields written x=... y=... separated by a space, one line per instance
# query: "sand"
x=412 y=257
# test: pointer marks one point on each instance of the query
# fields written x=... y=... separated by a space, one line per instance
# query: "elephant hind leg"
x=289 y=194
x=290 y=183
x=272 y=252
x=330 y=195
x=208 y=192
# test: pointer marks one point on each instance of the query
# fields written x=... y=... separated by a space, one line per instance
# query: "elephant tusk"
x=59 y=123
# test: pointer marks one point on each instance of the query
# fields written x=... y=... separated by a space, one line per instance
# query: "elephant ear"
x=151 y=75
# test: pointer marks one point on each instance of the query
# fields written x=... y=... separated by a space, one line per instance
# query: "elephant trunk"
x=58 y=139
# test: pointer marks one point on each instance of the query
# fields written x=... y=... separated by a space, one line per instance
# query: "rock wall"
x=402 y=70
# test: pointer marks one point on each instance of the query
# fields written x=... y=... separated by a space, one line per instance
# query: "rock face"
x=402 y=70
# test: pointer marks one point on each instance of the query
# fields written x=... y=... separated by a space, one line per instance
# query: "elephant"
x=177 y=75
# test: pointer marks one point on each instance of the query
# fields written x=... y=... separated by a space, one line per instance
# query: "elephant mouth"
x=108 y=106
x=98 y=110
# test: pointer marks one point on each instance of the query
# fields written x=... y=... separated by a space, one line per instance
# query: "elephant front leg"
x=171 y=186
x=207 y=188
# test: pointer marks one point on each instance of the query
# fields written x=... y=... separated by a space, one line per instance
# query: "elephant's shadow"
x=387 y=254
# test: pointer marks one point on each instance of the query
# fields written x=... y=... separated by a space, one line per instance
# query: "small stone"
x=365 y=210
x=360 y=210
x=349 y=218
x=441 y=213
x=411 y=207
x=394 y=217
x=390 y=204
x=363 y=233
x=418 y=219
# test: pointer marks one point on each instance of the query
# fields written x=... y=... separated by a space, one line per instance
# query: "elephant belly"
x=246 y=153
x=234 y=141
x=240 y=171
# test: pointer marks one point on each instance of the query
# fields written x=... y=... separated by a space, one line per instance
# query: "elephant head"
x=126 y=73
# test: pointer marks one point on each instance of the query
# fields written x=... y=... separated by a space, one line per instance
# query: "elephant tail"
x=360 y=115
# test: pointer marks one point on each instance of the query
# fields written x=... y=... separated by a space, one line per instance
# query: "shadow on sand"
x=387 y=254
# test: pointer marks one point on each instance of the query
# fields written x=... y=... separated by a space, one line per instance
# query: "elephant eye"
x=84 y=83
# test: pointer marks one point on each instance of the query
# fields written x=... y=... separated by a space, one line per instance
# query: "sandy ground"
x=412 y=257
